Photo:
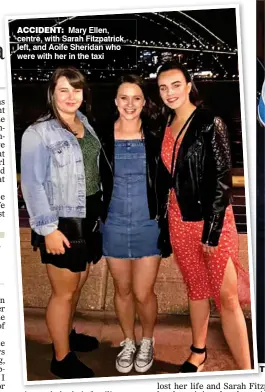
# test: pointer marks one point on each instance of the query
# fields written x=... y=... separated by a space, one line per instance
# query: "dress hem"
x=132 y=258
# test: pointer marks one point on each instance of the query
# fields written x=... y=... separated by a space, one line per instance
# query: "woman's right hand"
x=55 y=242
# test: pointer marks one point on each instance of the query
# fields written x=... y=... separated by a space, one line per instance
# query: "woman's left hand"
x=209 y=250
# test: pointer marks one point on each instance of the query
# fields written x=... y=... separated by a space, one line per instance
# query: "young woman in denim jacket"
x=133 y=242
x=60 y=184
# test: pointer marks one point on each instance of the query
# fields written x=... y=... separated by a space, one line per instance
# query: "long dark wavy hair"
x=76 y=80
x=150 y=109
x=194 y=94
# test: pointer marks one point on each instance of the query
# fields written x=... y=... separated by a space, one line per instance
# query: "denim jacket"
x=52 y=174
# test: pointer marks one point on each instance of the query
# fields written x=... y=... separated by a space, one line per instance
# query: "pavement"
x=172 y=337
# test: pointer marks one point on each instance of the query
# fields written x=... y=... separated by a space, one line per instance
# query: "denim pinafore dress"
x=128 y=231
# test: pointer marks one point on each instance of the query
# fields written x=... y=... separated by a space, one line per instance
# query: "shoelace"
x=144 y=350
x=128 y=350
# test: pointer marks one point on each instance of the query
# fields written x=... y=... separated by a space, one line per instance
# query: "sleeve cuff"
x=44 y=226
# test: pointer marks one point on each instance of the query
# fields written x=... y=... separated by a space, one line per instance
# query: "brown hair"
x=194 y=94
x=76 y=80
x=150 y=110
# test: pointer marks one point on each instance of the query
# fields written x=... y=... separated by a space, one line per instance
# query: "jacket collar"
x=82 y=118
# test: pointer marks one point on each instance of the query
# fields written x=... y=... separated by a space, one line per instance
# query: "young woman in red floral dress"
x=202 y=228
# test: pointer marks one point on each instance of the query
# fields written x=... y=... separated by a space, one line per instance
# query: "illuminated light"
x=152 y=75
x=203 y=74
x=179 y=25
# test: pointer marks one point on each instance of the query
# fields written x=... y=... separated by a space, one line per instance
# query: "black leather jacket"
x=155 y=172
x=202 y=178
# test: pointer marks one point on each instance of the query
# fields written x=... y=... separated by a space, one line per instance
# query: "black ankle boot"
x=81 y=342
x=70 y=367
x=188 y=367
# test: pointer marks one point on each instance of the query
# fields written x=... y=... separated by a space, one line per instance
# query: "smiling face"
x=129 y=101
x=174 y=89
x=67 y=99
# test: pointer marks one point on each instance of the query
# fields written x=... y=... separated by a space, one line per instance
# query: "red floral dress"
x=203 y=274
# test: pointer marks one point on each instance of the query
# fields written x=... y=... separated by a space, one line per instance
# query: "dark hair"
x=76 y=80
x=194 y=94
x=150 y=110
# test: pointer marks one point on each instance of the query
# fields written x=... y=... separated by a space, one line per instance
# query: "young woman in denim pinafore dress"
x=132 y=202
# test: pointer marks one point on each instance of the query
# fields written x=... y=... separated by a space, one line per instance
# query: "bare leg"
x=199 y=308
x=76 y=296
x=144 y=276
x=233 y=321
x=58 y=315
x=121 y=271
x=199 y=316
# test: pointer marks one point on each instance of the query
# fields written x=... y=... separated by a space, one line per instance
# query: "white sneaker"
x=124 y=360
x=145 y=355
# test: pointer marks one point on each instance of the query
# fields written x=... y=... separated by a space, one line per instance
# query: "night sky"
x=154 y=32
x=222 y=22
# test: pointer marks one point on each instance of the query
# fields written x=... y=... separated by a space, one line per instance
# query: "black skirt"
x=83 y=235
